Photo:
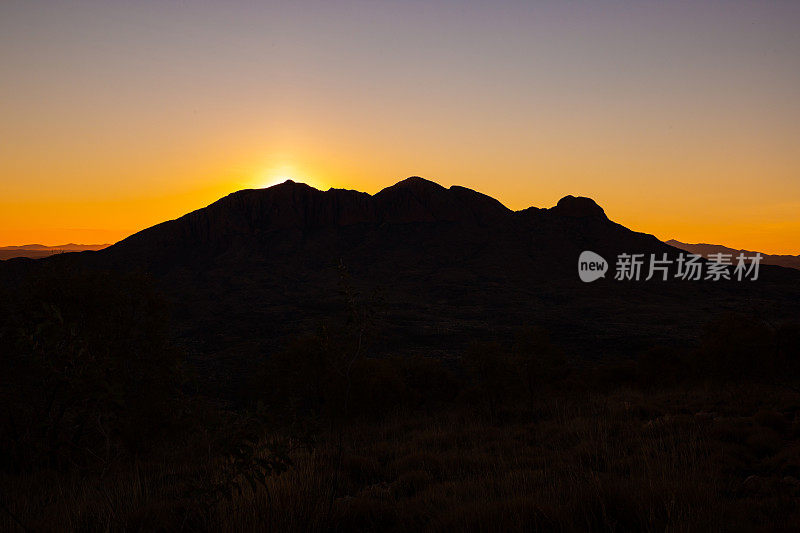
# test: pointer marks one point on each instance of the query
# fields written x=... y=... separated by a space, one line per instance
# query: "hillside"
x=788 y=261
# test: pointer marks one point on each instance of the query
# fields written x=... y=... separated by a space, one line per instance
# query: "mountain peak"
x=417 y=199
x=290 y=185
x=415 y=185
x=578 y=207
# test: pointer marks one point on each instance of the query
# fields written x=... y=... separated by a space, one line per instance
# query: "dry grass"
x=677 y=460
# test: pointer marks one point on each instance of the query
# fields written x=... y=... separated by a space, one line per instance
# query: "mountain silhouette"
x=34 y=251
x=259 y=267
x=295 y=222
x=788 y=261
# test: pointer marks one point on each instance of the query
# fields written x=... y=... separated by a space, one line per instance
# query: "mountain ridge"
x=293 y=205
x=253 y=271
x=705 y=249
x=35 y=251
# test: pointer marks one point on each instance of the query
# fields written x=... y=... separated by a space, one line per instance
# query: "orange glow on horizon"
x=679 y=119
x=108 y=221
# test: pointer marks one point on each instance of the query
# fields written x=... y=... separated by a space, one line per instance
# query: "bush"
x=87 y=370
x=743 y=347
x=541 y=364
x=429 y=382
x=787 y=344
x=494 y=376
x=736 y=346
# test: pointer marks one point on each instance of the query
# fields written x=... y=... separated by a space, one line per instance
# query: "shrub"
x=494 y=376
x=736 y=346
x=540 y=363
x=88 y=371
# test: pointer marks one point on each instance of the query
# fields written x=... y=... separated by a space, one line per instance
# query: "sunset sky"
x=681 y=119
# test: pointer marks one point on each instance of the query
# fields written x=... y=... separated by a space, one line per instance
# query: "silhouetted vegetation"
x=99 y=431
x=88 y=371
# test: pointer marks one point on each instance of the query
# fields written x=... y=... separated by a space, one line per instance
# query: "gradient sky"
x=681 y=119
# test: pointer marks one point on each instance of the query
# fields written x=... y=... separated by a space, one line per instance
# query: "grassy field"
x=104 y=426
x=722 y=458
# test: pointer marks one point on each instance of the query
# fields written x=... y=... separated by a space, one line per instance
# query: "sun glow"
x=280 y=174
x=138 y=129
x=277 y=180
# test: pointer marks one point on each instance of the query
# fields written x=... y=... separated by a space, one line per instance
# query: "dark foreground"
x=719 y=458
x=106 y=424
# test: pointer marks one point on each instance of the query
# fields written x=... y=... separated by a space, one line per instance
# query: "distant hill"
x=788 y=261
x=36 y=251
